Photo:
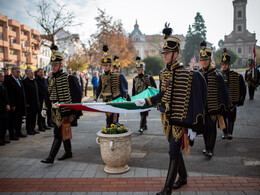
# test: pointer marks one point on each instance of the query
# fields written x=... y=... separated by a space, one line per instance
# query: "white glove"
x=191 y=134
x=94 y=101
x=140 y=102
x=55 y=105
x=44 y=113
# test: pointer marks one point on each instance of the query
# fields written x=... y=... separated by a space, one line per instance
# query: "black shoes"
x=45 y=127
x=229 y=137
x=66 y=155
x=21 y=135
x=141 y=131
x=119 y=125
x=30 y=133
x=14 y=138
x=209 y=154
x=165 y=192
x=50 y=125
x=224 y=136
x=180 y=182
x=48 y=161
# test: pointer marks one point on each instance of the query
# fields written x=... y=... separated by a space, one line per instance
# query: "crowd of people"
x=23 y=95
x=190 y=102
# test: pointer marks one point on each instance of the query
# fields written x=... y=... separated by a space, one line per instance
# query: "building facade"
x=70 y=45
x=45 y=52
x=149 y=45
x=19 y=44
x=240 y=40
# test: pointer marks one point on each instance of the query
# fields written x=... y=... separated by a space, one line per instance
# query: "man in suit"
x=17 y=99
x=4 y=108
x=43 y=92
x=32 y=101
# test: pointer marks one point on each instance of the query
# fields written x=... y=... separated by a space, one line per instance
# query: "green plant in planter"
x=114 y=129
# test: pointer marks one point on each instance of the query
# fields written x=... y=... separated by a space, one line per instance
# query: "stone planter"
x=115 y=151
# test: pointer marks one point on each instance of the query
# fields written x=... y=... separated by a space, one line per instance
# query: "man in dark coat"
x=4 y=108
x=43 y=93
x=111 y=85
x=140 y=83
x=182 y=99
x=17 y=99
x=237 y=93
x=217 y=100
x=63 y=88
x=32 y=101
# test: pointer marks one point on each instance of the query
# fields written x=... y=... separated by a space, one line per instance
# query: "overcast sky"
x=150 y=15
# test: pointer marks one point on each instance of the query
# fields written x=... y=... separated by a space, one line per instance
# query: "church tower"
x=240 y=40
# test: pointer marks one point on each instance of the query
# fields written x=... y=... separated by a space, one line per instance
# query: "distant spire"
x=136 y=26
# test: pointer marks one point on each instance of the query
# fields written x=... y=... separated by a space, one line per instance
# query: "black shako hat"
x=139 y=63
x=225 y=57
x=116 y=64
x=205 y=53
x=106 y=59
x=171 y=43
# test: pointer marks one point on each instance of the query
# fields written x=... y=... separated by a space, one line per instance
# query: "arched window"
x=239 y=28
x=137 y=39
x=239 y=14
x=239 y=50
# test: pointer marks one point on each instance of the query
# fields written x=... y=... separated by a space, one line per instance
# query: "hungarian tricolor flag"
x=119 y=105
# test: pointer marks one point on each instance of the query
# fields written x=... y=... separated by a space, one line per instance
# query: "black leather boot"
x=171 y=176
x=67 y=148
x=54 y=150
x=182 y=174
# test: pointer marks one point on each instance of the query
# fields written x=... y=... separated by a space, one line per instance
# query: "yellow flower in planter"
x=114 y=129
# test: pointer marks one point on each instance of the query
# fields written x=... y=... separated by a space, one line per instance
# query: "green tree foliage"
x=218 y=57
x=195 y=35
x=153 y=65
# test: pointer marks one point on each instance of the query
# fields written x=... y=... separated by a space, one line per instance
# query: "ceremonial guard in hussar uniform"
x=111 y=85
x=181 y=101
x=140 y=83
x=251 y=81
x=116 y=69
x=63 y=88
x=237 y=93
x=217 y=99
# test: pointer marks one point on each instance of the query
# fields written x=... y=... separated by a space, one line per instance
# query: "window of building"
x=12 y=28
x=239 y=14
x=250 y=50
x=34 y=56
x=239 y=28
x=146 y=52
x=1 y=36
x=1 y=50
x=12 y=52
x=137 y=39
x=239 y=50
x=23 y=32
